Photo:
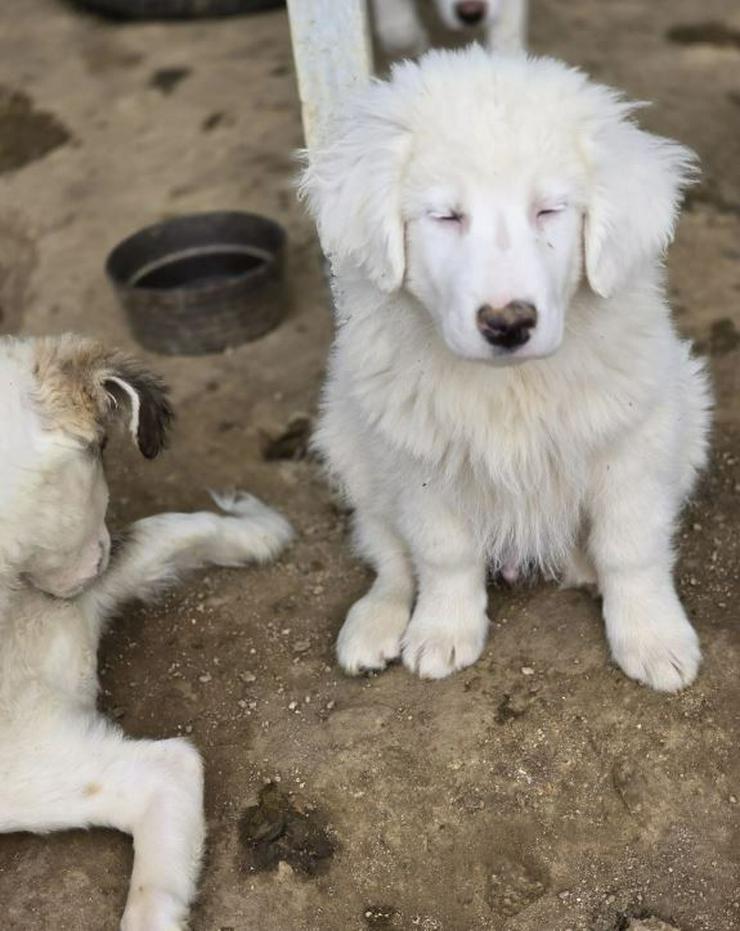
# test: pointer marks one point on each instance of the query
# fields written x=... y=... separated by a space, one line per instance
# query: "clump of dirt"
x=277 y=829
x=291 y=443
x=515 y=886
x=26 y=134
x=216 y=119
x=709 y=33
x=644 y=924
x=166 y=80
x=723 y=337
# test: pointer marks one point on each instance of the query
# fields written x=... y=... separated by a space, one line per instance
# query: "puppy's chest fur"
x=511 y=461
x=513 y=450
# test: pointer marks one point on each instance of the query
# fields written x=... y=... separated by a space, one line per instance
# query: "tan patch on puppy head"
x=69 y=373
x=82 y=387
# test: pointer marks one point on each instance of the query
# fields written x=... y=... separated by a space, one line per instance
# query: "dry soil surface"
x=539 y=790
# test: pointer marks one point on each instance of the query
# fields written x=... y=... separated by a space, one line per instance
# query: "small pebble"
x=527 y=671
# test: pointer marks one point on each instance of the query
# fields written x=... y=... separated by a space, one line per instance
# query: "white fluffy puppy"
x=506 y=387
x=502 y=23
x=62 y=764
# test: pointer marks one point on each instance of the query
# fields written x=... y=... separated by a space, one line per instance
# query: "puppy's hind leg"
x=160 y=548
x=89 y=775
x=371 y=635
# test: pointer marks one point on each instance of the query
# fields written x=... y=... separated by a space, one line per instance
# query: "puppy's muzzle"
x=507 y=327
x=470 y=12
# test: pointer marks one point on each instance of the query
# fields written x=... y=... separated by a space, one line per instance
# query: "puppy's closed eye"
x=453 y=217
x=546 y=212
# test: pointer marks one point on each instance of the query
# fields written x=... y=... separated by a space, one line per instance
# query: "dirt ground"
x=539 y=790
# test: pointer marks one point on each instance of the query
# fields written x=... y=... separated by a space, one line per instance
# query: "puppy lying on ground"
x=506 y=388
x=400 y=24
x=63 y=765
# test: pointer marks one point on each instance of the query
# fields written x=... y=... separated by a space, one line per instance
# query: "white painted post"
x=333 y=56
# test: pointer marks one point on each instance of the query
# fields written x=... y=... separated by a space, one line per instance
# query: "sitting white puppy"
x=401 y=28
x=506 y=387
x=62 y=764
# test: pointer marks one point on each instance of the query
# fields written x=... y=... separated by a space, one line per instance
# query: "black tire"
x=177 y=9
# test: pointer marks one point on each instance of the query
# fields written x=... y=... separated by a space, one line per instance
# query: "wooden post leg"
x=333 y=56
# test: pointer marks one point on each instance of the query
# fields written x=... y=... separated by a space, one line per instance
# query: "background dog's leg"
x=161 y=547
x=448 y=627
x=371 y=635
x=509 y=32
x=398 y=26
x=152 y=790
x=632 y=518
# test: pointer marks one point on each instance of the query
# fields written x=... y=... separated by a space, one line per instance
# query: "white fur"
x=62 y=764
x=399 y=28
x=572 y=454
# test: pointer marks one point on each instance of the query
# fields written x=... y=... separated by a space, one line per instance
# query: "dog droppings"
x=277 y=830
x=26 y=134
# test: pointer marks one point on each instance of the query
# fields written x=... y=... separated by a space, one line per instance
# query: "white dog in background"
x=62 y=764
x=506 y=386
x=502 y=23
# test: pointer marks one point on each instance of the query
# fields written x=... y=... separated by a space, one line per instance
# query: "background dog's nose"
x=470 y=12
x=507 y=327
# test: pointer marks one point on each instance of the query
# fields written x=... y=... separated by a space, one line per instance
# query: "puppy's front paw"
x=371 y=635
x=439 y=643
x=654 y=644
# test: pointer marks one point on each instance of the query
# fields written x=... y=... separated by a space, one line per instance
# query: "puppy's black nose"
x=470 y=12
x=508 y=327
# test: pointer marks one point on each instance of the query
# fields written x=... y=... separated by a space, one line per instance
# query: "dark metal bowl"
x=201 y=283
x=177 y=9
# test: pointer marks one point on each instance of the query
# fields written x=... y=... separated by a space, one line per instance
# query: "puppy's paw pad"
x=434 y=652
x=664 y=658
x=371 y=635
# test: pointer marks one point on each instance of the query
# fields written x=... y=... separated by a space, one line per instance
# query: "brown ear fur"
x=154 y=414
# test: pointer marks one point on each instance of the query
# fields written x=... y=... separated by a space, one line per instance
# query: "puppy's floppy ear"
x=352 y=184
x=140 y=398
x=638 y=180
